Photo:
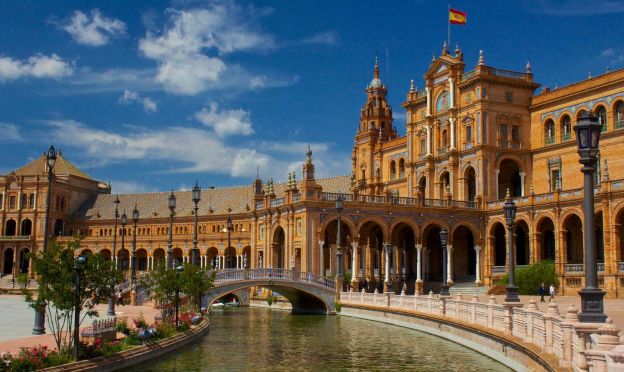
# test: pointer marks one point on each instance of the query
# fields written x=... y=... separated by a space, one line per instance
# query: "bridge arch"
x=307 y=292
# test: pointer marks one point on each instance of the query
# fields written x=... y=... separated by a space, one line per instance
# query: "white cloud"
x=93 y=30
x=127 y=187
x=128 y=97
x=39 y=66
x=575 y=7
x=607 y=52
x=225 y=122
x=10 y=132
x=201 y=151
x=181 y=49
x=324 y=38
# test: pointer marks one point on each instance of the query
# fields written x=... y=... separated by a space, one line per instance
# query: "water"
x=253 y=339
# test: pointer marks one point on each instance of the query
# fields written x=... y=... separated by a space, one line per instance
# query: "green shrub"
x=337 y=306
x=529 y=279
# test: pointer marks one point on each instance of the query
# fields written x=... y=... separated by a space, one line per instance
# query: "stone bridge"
x=307 y=292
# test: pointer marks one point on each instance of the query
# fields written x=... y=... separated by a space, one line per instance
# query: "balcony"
x=15 y=238
x=574 y=268
x=550 y=140
x=499 y=269
x=566 y=137
x=619 y=124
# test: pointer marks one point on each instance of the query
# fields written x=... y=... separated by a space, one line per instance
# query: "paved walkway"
x=14 y=345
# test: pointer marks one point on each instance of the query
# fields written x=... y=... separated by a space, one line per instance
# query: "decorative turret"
x=376 y=114
x=308 y=166
x=481 y=58
x=310 y=190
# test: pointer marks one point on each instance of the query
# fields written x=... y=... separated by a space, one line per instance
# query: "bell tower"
x=375 y=128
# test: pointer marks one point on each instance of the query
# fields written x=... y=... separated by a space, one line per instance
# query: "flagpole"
x=448 y=21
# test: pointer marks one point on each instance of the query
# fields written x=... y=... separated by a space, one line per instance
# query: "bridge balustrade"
x=232 y=275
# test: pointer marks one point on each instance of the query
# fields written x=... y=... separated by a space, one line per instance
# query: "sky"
x=155 y=95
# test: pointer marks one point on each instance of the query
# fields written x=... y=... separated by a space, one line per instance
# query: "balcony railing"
x=296 y=198
x=566 y=137
x=15 y=237
x=435 y=203
x=373 y=199
x=333 y=196
x=621 y=266
x=464 y=204
x=574 y=268
x=619 y=124
x=260 y=205
x=277 y=202
x=550 y=140
x=499 y=269
x=443 y=150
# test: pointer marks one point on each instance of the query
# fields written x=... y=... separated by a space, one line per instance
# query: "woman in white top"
x=552 y=292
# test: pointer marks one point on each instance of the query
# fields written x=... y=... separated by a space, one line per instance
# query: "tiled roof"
x=61 y=167
x=154 y=204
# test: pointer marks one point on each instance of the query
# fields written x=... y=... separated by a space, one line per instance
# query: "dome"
x=376 y=83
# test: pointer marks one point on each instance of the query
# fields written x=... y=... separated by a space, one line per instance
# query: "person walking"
x=541 y=291
x=552 y=292
x=120 y=298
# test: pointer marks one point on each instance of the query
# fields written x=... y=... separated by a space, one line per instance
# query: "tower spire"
x=376 y=71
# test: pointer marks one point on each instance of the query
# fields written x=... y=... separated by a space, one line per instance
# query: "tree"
x=57 y=288
x=163 y=283
x=195 y=281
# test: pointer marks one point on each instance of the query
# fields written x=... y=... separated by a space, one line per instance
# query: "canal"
x=255 y=339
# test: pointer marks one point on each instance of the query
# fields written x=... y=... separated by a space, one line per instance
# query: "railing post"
x=490 y=311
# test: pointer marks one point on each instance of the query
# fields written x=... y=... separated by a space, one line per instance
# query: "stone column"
x=387 y=281
x=428 y=140
x=452 y=91
x=355 y=272
x=453 y=145
x=496 y=172
x=321 y=258
x=477 y=249
x=363 y=260
x=35 y=205
x=419 y=281
x=449 y=264
x=522 y=177
x=428 y=90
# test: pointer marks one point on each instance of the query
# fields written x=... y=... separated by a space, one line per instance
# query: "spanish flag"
x=457 y=17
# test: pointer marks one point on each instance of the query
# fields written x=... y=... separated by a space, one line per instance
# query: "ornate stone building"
x=470 y=137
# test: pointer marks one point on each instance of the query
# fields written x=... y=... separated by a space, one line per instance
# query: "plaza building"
x=471 y=138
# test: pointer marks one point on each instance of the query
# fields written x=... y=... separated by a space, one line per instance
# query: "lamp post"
x=111 y=300
x=179 y=270
x=587 y=138
x=229 y=228
x=135 y=219
x=172 y=207
x=510 y=217
x=124 y=221
x=196 y=199
x=78 y=267
x=444 y=290
x=339 y=255
x=50 y=157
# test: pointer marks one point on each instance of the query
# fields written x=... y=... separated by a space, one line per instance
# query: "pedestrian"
x=552 y=292
x=120 y=298
x=542 y=291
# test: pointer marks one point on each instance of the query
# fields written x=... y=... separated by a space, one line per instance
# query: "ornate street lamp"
x=339 y=254
x=124 y=221
x=111 y=300
x=587 y=139
x=135 y=219
x=196 y=199
x=78 y=268
x=172 y=207
x=50 y=157
x=179 y=270
x=510 y=217
x=444 y=290
x=229 y=228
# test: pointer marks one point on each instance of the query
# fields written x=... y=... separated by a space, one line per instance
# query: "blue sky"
x=154 y=95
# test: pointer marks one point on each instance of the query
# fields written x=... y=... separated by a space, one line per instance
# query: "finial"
x=528 y=67
x=589 y=75
x=257 y=172
x=309 y=155
x=606 y=171
x=457 y=50
x=481 y=58
x=412 y=87
x=376 y=71
x=508 y=196
x=289 y=184
x=433 y=58
x=444 y=48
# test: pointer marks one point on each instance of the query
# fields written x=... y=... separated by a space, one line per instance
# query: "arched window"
x=23 y=201
x=26 y=227
x=619 y=115
x=468 y=136
x=601 y=112
x=443 y=102
x=31 y=201
x=549 y=130
x=392 y=170
x=401 y=168
x=566 y=128
x=444 y=139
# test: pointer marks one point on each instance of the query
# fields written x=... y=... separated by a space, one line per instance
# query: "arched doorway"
x=522 y=244
x=141 y=259
x=230 y=258
x=23 y=261
x=10 y=227
x=500 y=247
x=371 y=240
x=432 y=258
x=212 y=257
x=573 y=228
x=403 y=241
x=159 y=257
x=106 y=254
x=330 y=246
x=464 y=255
x=278 y=247
x=546 y=232
x=58 y=228
x=123 y=258
x=178 y=257
x=470 y=190
x=422 y=186
x=445 y=182
x=7 y=268
x=509 y=178
x=26 y=227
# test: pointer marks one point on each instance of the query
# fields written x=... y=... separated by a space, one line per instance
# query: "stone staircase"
x=467 y=289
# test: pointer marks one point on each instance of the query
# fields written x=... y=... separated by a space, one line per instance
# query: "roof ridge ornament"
x=481 y=58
